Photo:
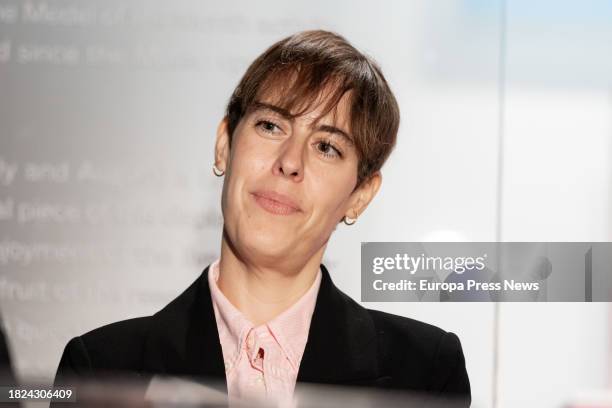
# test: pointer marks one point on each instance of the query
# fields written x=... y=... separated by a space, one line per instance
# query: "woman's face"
x=288 y=182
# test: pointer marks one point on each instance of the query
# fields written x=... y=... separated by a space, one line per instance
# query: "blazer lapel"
x=184 y=340
x=341 y=346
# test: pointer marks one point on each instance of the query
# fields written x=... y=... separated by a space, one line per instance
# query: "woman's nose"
x=290 y=162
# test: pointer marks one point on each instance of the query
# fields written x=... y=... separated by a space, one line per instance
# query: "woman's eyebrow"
x=258 y=105
x=336 y=131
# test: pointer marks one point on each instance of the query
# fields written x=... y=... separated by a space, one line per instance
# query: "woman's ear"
x=363 y=195
x=222 y=145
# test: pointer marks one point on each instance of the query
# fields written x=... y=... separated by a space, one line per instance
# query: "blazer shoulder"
x=436 y=354
x=393 y=329
x=405 y=328
x=120 y=346
x=117 y=342
x=116 y=346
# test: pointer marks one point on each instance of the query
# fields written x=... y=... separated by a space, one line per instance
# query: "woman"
x=300 y=149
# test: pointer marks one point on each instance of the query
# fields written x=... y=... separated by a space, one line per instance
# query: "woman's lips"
x=276 y=203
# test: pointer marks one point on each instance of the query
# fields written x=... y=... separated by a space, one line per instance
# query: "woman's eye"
x=327 y=149
x=267 y=126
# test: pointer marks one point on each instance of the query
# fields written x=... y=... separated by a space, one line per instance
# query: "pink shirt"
x=262 y=362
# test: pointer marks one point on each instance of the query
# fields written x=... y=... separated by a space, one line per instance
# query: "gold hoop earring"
x=349 y=221
x=217 y=171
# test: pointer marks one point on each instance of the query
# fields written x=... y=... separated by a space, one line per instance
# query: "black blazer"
x=347 y=344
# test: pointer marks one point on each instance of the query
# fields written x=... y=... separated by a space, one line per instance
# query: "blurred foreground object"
x=7 y=375
x=184 y=392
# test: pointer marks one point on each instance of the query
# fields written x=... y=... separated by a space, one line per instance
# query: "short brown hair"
x=305 y=64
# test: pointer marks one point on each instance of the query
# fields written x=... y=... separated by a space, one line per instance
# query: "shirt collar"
x=289 y=329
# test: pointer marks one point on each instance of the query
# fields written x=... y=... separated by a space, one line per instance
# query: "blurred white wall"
x=556 y=184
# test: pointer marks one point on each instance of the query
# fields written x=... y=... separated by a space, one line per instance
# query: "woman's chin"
x=260 y=237
x=270 y=258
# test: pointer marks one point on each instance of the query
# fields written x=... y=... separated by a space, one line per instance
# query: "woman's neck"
x=262 y=292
